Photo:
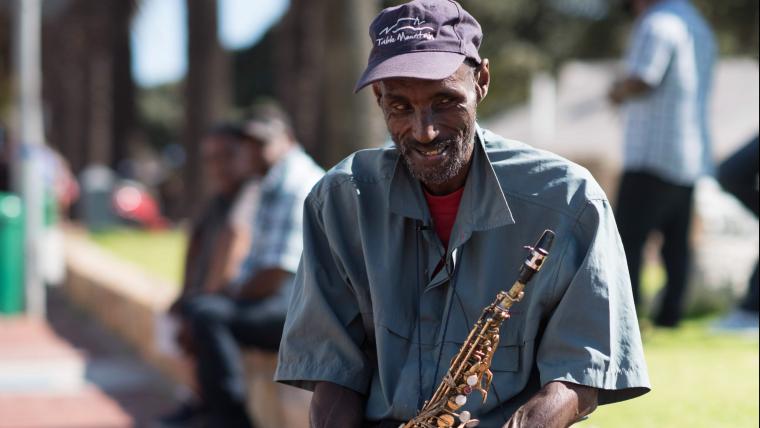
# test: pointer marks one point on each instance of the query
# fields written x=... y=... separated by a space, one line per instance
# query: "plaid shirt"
x=277 y=226
x=672 y=49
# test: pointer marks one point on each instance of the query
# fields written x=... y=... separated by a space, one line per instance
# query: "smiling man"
x=404 y=247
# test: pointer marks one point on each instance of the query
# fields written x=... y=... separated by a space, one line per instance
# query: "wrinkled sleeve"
x=592 y=337
x=651 y=51
x=323 y=331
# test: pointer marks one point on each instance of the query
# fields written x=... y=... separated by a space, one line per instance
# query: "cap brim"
x=418 y=65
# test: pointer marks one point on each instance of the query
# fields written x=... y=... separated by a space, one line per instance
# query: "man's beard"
x=456 y=158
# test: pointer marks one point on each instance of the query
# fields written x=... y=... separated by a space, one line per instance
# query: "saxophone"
x=470 y=368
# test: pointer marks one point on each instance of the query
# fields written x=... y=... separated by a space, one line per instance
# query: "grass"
x=699 y=378
x=160 y=253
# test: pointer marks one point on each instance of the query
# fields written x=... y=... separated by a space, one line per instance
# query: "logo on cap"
x=403 y=30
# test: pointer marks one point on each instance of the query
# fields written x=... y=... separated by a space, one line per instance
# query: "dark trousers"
x=739 y=176
x=220 y=326
x=647 y=203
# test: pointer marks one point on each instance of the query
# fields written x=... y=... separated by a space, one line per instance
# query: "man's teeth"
x=434 y=152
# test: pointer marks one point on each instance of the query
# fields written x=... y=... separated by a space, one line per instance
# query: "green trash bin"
x=11 y=254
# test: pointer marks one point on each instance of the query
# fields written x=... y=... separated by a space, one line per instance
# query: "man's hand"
x=627 y=88
x=557 y=405
x=335 y=406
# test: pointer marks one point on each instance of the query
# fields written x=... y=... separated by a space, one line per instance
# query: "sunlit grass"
x=160 y=253
x=699 y=379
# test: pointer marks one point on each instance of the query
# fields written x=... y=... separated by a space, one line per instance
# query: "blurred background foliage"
x=309 y=61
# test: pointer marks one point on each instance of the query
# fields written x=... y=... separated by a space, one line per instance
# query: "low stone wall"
x=131 y=302
x=123 y=297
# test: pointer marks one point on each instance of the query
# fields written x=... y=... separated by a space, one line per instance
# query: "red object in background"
x=134 y=203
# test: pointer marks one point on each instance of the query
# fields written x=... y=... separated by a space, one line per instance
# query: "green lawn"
x=160 y=253
x=699 y=378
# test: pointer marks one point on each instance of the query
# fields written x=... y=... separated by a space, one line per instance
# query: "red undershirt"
x=444 y=210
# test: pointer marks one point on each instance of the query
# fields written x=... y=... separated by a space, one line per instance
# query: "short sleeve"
x=651 y=50
x=324 y=333
x=592 y=337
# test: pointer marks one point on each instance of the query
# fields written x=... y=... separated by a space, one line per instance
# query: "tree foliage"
x=524 y=36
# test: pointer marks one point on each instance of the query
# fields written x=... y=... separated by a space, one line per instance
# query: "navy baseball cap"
x=423 y=39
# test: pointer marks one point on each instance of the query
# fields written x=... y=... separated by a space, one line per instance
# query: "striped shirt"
x=672 y=49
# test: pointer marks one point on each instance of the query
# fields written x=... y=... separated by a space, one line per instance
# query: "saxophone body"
x=469 y=370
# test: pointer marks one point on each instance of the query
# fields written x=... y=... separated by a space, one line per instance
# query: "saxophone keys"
x=460 y=400
x=445 y=421
x=464 y=416
x=472 y=380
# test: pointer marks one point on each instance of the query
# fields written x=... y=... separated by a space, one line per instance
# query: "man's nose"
x=424 y=129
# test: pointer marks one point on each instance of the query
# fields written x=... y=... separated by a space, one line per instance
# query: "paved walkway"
x=69 y=372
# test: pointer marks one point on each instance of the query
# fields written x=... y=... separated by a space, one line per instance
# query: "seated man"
x=251 y=311
x=210 y=261
x=404 y=246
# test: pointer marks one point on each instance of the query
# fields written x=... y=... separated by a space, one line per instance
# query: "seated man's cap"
x=424 y=39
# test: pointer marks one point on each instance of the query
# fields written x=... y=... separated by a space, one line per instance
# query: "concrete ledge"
x=131 y=303
x=126 y=299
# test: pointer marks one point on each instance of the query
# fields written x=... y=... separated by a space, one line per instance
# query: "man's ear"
x=482 y=79
x=378 y=92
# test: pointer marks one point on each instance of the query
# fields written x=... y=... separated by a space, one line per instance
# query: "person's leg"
x=738 y=175
x=675 y=253
x=219 y=366
x=257 y=329
x=752 y=297
x=636 y=217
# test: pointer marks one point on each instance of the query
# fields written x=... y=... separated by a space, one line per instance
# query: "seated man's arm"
x=265 y=283
x=557 y=404
x=335 y=406
x=217 y=278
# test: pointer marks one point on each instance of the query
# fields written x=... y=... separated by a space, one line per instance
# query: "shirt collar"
x=476 y=212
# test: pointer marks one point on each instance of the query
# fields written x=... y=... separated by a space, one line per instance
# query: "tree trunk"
x=87 y=80
x=352 y=121
x=299 y=61
x=322 y=50
x=206 y=91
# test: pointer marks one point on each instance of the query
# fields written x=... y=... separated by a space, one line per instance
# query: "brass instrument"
x=470 y=368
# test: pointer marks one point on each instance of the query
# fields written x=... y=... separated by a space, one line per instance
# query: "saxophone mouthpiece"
x=544 y=244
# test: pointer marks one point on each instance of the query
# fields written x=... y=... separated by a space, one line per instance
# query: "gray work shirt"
x=367 y=314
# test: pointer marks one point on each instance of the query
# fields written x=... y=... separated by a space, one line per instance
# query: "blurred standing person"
x=211 y=259
x=251 y=313
x=667 y=143
x=739 y=176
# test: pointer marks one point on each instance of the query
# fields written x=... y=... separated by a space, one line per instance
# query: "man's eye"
x=400 y=107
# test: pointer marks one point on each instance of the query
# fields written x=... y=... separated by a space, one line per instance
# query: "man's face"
x=432 y=122
x=266 y=150
x=219 y=156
